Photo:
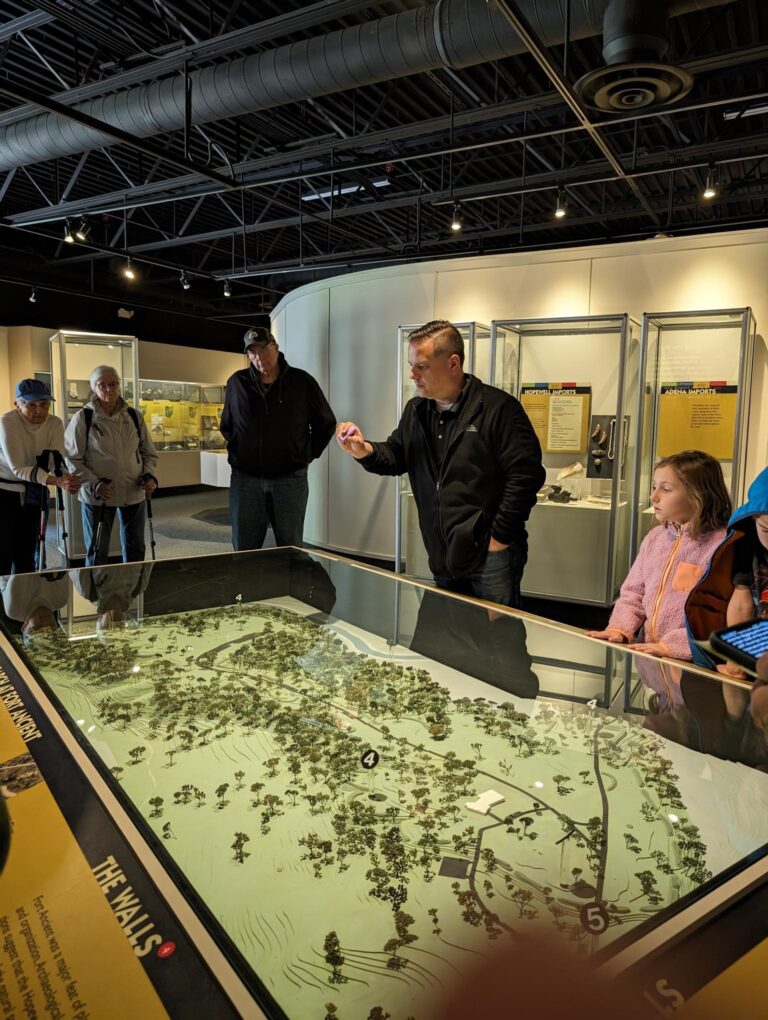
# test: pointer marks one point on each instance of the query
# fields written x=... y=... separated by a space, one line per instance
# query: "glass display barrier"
x=73 y=357
x=359 y=784
x=578 y=380
x=698 y=378
x=182 y=415
x=410 y=554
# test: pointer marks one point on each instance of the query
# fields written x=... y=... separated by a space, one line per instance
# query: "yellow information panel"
x=697 y=416
x=559 y=413
x=62 y=953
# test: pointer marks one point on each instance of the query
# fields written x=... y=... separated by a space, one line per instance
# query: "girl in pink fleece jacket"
x=692 y=506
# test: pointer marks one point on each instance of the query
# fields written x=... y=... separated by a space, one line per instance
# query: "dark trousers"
x=132 y=520
x=18 y=534
x=498 y=580
x=255 y=503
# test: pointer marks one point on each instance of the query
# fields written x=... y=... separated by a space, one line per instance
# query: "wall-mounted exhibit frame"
x=698 y=377
x=74 y=356
x=410 y=554
x=579 y=382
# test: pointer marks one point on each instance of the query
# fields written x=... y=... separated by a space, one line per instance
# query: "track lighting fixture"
x=710 y=188
x=560 y=208
x=128 y=271
x=33 y=296
x=69 y=237
x=457 y=219
x=227 y=289
x=83 y=231
x=185 y=284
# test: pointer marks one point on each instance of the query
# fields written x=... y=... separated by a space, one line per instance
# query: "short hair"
x=702 y=477
x=99 y=372
x=445 y=338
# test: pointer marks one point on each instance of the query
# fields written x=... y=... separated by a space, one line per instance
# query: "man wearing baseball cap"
x=31 y=450
x=276 y=421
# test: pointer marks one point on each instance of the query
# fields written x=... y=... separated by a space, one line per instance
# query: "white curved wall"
x=344 y=331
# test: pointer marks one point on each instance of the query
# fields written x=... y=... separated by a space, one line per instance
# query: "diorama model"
x=361 y=828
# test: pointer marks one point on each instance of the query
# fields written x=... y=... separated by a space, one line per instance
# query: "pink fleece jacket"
x=669 y=563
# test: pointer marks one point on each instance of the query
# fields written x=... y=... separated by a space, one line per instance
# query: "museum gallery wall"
x=344 y=331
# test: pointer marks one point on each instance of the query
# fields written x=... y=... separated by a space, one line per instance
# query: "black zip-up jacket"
x=485 y=486
x=278 y=429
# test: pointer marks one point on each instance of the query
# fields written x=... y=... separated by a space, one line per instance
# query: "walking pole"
x=58 y=463
x=43 y=460
x=151 y=526
x=100 y=521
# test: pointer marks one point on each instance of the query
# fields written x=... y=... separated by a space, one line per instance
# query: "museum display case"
x=356 y=783
x=698 y=379
x=73 y=357
x=578 y=380
x=410 y=554
x=182 y=415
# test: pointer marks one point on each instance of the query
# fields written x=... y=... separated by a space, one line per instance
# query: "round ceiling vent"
x=621 y=88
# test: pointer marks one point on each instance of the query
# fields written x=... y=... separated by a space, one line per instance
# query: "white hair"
x=99 y=372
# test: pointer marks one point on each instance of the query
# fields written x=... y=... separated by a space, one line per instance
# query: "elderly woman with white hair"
x=107 y=444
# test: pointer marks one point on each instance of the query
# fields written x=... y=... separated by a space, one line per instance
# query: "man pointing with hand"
x=474 y=463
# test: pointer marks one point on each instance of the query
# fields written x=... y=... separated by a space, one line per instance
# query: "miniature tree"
x=489 y=859
x=167 y=831
x=157 y=806
x=561 y=782
x=136 y=754
x=256 y=789
x=330 y=1011
x=170 y=755
x=334 y=958
x=239 y=776
x=221 y=793
x=378 y=1013
x=241 y=838
x=272 y=764
x=117 y=771
x=199 y=796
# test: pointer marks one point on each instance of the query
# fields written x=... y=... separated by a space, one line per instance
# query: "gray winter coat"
x=112 y=450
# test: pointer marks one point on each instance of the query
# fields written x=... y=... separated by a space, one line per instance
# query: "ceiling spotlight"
x=83 y=230
x=185 y=284
x=227 y=289
x=457 y=219
x=69 y=237
x=128 y=271
x=33 y=296
x=710 y=188
x=560 y=209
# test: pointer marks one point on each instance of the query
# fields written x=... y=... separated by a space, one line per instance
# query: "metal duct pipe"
x=454 y=33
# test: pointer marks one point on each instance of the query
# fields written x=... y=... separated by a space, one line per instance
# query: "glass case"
x=73 y=357
x=410 y=554
x=578 y=380
x=182 y=415
x=355 y=780
x=698 y=379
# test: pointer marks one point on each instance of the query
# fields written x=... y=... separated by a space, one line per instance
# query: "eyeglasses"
x=107 y=385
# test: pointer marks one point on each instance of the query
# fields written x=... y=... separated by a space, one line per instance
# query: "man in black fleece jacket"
x=276 y=421
x=474 y=463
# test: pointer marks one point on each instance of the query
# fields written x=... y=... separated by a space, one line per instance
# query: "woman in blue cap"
x=31 y=455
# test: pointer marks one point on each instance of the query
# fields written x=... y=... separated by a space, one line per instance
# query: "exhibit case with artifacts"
x=578 y=381
x=410 y=554
x=182 y=415
x=698 y=378
x=342 y=788
x=74 y=355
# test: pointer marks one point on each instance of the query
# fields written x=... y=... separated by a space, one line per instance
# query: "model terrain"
x=243 y=735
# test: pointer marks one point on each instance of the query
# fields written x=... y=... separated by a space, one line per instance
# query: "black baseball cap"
x=259 y=335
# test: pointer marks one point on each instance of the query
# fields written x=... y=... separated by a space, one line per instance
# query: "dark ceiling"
x=365 y=176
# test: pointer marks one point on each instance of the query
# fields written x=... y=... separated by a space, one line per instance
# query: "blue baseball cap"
x=32 y=389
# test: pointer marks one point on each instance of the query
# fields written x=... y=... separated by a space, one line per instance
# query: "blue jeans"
x=498 y=580
x=255 y=503
x=131 y=532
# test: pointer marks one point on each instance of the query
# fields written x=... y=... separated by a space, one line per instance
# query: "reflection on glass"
x=354 y=805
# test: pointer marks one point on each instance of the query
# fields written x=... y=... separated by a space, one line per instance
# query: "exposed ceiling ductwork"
x=452 y=33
